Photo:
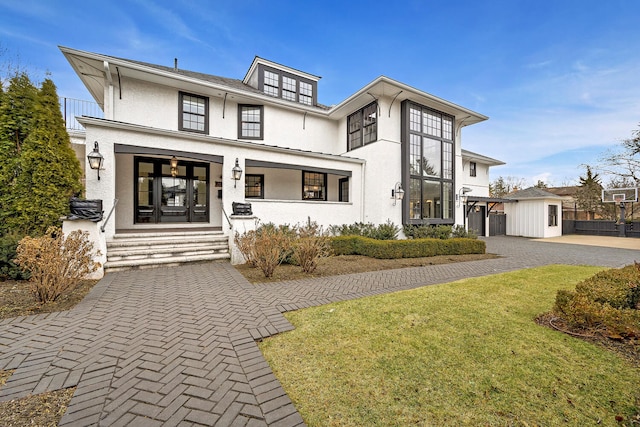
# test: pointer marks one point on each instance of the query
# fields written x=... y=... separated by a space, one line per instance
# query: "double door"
x=166 y=196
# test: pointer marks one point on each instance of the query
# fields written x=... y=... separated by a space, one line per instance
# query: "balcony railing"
x=72 y=108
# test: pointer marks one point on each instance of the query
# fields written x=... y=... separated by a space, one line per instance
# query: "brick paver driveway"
x=176 y=346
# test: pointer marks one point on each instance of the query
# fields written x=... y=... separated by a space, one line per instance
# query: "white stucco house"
x=180 y=148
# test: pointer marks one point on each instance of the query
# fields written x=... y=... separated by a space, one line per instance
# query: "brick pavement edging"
x=176 y=346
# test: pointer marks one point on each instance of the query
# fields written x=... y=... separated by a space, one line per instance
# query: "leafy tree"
x=541 y=184
x=500 y=187
x=624 y=162
x=589 y=194
x=48 y=170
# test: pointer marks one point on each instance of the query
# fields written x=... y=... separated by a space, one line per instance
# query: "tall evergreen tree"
x=589 y=193
x=17 y=108
x=49 y=170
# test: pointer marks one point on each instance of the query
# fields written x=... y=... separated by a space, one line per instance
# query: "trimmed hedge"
x=412 y=248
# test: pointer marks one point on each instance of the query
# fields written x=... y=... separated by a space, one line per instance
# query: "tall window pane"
x=431 y=157
x=362 y=126
x=447 y=160
x=447 y=200
x=415 y=199
x=431 y=203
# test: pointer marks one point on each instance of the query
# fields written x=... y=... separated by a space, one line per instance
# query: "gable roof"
x=466 y=154
x=532 y=193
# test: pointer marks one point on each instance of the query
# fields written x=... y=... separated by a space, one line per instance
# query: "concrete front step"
x=161 y=262
x=145 y=250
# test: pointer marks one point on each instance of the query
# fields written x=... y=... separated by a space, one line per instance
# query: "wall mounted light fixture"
x=236 y=173
x=174 y=166
x=397 y=193
x=95 y=159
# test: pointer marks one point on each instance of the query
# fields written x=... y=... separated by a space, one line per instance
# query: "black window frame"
x=248 y=178
x=240 y=121
x=357 y=126
x=342 y=197
x=553 y=215
x=181 y=112
x=305 y=191
x=424 y=179
x=473 y=169
x=301 y=95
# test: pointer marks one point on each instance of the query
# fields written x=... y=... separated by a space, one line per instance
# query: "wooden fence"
x=600 y=228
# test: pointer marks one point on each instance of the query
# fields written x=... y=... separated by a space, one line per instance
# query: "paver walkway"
x=176 y=346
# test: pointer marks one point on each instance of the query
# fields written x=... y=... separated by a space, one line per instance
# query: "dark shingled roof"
x=235 y=84
x=532 y=193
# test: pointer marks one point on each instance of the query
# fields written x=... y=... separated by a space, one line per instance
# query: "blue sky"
x=559 y=79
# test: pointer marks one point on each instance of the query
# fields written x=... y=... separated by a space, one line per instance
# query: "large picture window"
x=250 y=122
x=362 y=126
x=314 y=186
x=194 y=113
x=428 y=159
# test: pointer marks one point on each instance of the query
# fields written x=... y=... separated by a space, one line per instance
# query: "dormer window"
x=287 y=86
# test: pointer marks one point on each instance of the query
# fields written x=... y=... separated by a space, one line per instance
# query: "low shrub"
x=609 y=302
x=386 y=231
x=311 y=245
x=437 y=232
x=8 y=269
x=412 y=248
x=266 y=247
x=56 y=263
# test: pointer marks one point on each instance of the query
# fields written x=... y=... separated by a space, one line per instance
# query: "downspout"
x=362 y=198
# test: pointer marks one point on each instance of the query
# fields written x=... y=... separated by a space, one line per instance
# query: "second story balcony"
x=72 y=108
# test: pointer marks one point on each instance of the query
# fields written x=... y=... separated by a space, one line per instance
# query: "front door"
x=164 y=196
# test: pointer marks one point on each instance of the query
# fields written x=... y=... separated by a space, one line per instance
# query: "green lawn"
x=463 y=353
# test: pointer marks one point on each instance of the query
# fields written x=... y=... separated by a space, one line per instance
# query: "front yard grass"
x=463 y=353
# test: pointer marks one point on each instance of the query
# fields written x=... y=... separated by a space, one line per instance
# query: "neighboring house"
x=534 y=213
x=295 y=159
x=570 y=209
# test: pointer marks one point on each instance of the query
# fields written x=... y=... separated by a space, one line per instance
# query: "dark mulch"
x=629 y=349
x=346 y=264
x=16 y=299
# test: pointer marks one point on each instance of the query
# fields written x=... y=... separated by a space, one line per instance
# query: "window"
x=250 y=122
x=362 y=126
x=194 y=113
x=254 y=186
x=472 y=168
x=553 y=215
x=343 y=189
x=287 y=86
x=314 y=186
x=427 y=140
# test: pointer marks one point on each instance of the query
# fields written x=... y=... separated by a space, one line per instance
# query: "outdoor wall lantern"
x=397 y=193
x=237 y=173
x=174 y=166
x=95 y=159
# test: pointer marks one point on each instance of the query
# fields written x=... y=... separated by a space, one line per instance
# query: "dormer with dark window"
x=283 y=82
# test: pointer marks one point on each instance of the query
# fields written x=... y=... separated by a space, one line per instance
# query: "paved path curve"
x=176 y=346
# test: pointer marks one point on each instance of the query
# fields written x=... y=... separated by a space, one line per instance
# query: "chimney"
x=175 y=64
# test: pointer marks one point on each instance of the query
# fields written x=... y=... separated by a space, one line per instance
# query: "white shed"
x=536 y=213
